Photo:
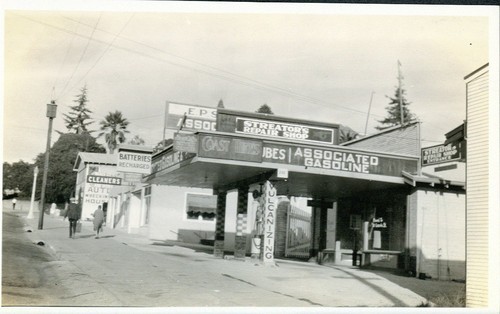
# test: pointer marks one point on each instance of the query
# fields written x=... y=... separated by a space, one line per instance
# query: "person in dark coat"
x=98 y=220
x=73 y=215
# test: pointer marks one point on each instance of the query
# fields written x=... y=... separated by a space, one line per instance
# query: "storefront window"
x=201 y=206
x=147 y=204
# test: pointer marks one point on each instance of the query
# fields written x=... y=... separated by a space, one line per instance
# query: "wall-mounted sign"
x=186 y=143
x=133 y=161
x=282 y=173
x=270 y=204
x=214 y=146
x=96 y=193
x=131 y=179
x=289 y=131
x=104 y=180
x=168 y=159
x=197 y=118
x=333 y=159
x=441 y=153
x=379 y=223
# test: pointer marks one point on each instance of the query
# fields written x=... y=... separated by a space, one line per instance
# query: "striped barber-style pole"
x=241 y=224
x=220 y=214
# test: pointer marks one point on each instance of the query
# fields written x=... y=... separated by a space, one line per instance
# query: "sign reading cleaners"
x=290 y=131
x=270 y=207
x=198 y=118
x=440 y=154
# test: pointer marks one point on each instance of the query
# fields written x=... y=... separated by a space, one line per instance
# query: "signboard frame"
x=197 y=117
x=442 y=153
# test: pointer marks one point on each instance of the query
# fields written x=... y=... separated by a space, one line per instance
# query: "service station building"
x=276 y=187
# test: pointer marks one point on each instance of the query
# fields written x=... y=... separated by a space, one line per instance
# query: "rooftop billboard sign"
x=275 y=127
x=190 y=117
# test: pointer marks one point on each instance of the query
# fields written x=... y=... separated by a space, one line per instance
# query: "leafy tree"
x=137 y=140
x=346 y=134
x=394 y=110
x=17 y=179
x=265 y=109
x=78 y=118
x=114 y=127
x=61 y=178
x=162 y=145
x=220 y=104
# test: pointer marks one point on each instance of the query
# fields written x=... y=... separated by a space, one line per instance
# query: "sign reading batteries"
x=134 y=159
x=190 y=117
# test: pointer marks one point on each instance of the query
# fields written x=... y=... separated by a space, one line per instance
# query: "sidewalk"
x=305 y=284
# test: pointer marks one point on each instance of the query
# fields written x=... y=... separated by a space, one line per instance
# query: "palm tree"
x=114 y=127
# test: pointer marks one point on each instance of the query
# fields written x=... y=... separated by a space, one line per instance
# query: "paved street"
x=120 y=269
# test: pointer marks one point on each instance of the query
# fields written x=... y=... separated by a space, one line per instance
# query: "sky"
x=323 y=62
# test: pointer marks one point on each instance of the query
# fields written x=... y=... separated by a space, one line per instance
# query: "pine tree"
x=394 y=112
x=220 y=104
x=78 y=118
x=265 y=109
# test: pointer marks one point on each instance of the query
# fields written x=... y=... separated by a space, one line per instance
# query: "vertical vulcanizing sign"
x=270 y=207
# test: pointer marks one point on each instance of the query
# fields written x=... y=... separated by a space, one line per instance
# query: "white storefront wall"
x=93 y=194
x=440 y=234
x=169 y=221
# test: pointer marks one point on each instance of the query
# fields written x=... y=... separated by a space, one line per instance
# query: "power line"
x=81 y=56
x=240 y=79
x=102 y=55
x=63 y=62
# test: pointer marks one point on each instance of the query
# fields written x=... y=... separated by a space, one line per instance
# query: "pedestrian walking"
x=73 y=215
x=14 y=201
x=98 y=220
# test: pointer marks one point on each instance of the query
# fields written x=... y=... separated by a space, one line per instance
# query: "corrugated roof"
x=95 y=158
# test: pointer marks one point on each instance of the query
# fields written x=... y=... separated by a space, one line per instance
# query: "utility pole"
x=51 y=114
x=400 y=77
x=368 y=116
x=35 y=174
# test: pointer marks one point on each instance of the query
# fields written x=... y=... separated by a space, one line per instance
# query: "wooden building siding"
x=398 y=141
x=477 y=189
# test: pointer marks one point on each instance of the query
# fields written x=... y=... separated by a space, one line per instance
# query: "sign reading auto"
x=283 y=130
x=191 y=117
x=136 y=162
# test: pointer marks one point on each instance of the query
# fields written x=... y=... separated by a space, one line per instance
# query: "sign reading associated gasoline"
x=134 y=159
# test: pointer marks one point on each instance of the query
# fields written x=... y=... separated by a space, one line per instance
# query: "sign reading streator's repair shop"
x=441 y=153
x=134 y=161
x=289 y=131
